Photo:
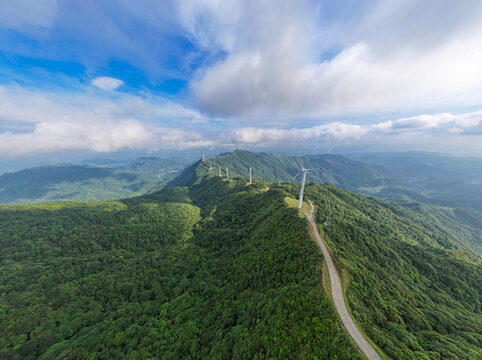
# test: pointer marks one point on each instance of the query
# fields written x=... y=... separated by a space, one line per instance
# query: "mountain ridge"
x=241 y=278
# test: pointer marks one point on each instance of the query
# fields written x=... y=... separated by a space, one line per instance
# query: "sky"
x=100 y=77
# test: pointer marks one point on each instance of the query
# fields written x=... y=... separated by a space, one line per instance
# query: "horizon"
x=176 y=78
x=190 y=158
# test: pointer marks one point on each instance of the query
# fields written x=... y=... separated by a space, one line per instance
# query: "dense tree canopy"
x=221 y=270
x=410 y=284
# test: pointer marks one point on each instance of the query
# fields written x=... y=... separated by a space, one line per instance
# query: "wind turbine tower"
x=250 y=176
x=303 y=181
x=227 y=173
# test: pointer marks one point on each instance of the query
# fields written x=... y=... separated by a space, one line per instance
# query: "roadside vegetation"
x=411 y=286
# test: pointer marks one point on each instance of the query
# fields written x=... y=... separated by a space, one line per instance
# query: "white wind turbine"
x=303 y=181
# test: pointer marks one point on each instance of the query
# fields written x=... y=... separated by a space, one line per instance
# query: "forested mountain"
x=222 y=270
x=346 y=173
x=219 y=270
x=82 y=182
x=400 y=177
x=429 y=177
x=153 y=165
x=410 y=285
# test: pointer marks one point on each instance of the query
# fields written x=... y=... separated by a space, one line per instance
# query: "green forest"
x=226 y=270
x=220 y=270
x=410 y=284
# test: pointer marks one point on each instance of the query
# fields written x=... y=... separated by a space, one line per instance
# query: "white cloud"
x=169 y=138
x=61 y=122
x=435 y=123
x=273 y=49
x=35 y=122
x=107 y=83
x=409 y=130
x=51 y=137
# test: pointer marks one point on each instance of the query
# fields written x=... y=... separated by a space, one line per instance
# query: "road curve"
x=338 y=298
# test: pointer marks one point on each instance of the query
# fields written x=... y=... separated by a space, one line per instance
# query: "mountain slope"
x=463 y=224
x=220 y=270
x=81 y=182
x=410 y=285
x=343 y=172
x=431 y=178
x=399 y=177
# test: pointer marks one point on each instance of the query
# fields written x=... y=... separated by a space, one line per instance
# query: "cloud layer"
x=54 y=123
x=274 y=75
x=427 y=56
x=39 y=122
x=441 y=132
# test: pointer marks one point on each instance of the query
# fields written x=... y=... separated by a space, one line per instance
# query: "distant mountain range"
x=86 y=182
x=343 y=172
x=400 y=177
x=428 y=177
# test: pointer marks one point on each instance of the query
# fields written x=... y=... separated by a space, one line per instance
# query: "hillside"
x=410 y=285
x=220 y=270
x=348 y=174
x=87 y=183
x=430 y=177
x=399 y=177
x=372 y=180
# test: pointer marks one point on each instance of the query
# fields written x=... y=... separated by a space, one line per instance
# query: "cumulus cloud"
x=61 y=122
x=329 y=132
x=107 y=83
x=267 y=73
x=179 y=139
x=34 y=122
x=426 y=57
x=443 y=124
x=51 y=137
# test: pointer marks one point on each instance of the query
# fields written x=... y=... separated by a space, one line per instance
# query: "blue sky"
x=102 y=77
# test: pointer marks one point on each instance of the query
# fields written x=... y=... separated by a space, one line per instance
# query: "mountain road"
x=338 y=299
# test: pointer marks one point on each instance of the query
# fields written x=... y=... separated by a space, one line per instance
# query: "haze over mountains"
x=401 y=177
x=87 y=182
x=431 y=177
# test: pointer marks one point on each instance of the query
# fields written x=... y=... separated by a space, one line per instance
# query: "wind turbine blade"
x=294 y=177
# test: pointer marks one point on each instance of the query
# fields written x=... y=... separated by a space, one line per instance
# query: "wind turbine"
x=302 y=190
x=227 y=173
x=250 y=178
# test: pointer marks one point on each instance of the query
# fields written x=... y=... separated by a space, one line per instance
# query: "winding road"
x=338 y=298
